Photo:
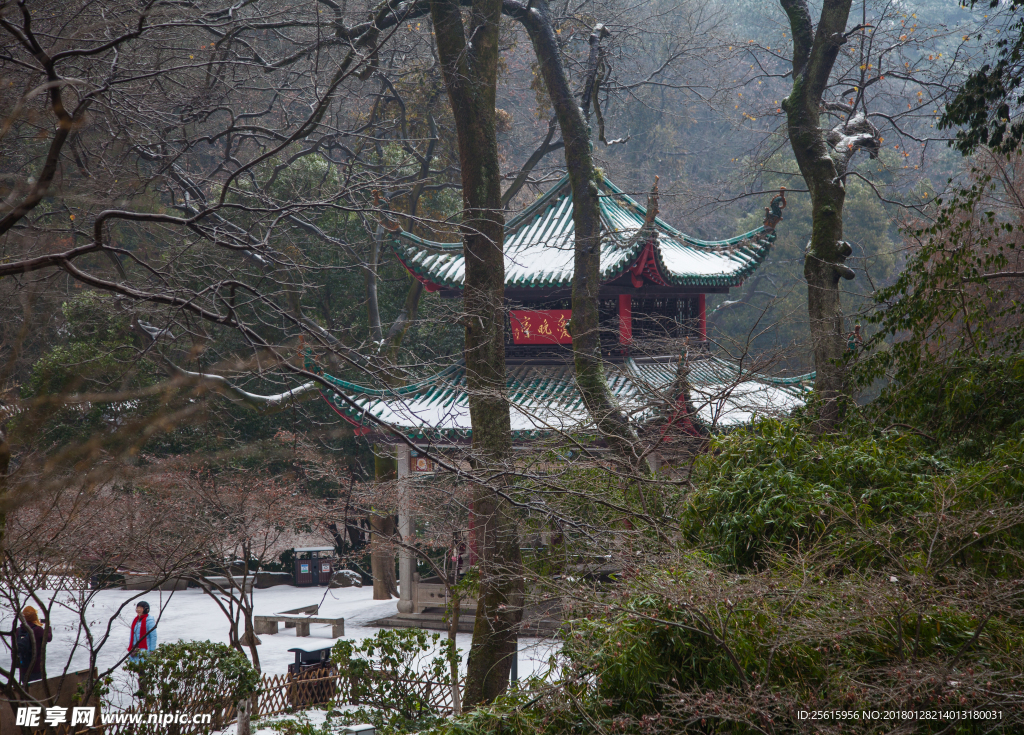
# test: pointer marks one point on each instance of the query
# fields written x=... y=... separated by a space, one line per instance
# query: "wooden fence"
x=285 y=693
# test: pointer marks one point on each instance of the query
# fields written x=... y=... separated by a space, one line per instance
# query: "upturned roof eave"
x=759 y=241
x=528 y=389
x=725 y=279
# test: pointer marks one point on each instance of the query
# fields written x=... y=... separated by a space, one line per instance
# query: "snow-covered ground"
x=191 y=615
x=315 y=718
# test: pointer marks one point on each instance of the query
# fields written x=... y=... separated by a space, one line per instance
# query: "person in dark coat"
x=32 y=640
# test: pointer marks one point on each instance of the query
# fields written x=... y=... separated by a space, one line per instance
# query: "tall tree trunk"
x=823 y=156
x=453 y=631
x=584 y=179
x=499 y=608
x=5 y=465
x=824 y=310
x=470 y=69
x=382 y=554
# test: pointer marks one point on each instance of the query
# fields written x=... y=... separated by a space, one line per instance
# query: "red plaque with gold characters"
x=541 y=327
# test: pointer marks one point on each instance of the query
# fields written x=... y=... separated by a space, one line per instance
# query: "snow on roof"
x=546 y=400
x=539 y=245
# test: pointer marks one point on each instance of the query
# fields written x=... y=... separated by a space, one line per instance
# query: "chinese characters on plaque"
x=541 y=327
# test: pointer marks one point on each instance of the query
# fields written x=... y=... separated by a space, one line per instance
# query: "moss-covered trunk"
x=824 y=310
x=470 y=68
x=823 y=166
x=583 y=177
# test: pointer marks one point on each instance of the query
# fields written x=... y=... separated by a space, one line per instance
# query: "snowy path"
x=191 y=615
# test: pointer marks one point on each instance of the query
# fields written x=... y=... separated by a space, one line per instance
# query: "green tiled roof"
x=539 y=245
x=545 y=400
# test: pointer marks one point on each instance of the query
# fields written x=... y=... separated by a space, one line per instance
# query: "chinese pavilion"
x=654 y=286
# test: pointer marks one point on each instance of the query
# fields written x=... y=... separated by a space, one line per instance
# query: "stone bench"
x=268 y=624
x=307 y=610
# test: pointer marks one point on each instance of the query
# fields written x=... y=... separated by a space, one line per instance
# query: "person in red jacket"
x=32 y=640
x=142 y=639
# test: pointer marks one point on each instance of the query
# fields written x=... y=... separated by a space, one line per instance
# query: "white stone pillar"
x=406 y=559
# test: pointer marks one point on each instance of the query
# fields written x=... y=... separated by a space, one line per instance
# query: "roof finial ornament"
x=652 y=203
x=773 y=212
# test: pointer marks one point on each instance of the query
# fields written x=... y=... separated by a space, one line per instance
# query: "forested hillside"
x=799 y=506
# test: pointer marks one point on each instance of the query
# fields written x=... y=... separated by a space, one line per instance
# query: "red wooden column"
x=625 y=319
x=702 y=317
